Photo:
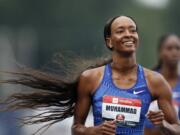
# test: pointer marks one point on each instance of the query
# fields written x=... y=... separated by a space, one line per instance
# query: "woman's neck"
x=124 y=63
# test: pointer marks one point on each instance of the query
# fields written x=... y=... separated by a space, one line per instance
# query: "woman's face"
x=124 y=37
x=170 y=50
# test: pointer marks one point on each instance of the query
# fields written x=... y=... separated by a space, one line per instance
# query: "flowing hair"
x=55 y=94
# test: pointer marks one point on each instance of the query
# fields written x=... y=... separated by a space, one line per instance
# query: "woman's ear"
x=109 y=43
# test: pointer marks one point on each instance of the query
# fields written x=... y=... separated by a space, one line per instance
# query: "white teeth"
x=129 y=42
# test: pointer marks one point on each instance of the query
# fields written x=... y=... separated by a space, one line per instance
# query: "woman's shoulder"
x=91 y=78
x=93 y=74
x=156 y=82
x=152 y=76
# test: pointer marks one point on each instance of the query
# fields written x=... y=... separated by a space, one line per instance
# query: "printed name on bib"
x=126 y=111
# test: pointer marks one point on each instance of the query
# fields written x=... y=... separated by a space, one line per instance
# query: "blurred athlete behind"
x=169 y=55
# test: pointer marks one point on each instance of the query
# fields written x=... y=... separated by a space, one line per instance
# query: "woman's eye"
x=133 y=30
x=119 y=31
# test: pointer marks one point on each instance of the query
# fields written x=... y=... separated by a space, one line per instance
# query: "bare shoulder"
x=91 y=78
x=93 y=73
x=156 y=83
x=153 y=77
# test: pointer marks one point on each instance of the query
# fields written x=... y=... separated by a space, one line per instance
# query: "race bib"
x=125 y=111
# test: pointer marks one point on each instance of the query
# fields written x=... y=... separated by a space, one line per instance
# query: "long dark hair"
x=161 y=44
x=55 y=94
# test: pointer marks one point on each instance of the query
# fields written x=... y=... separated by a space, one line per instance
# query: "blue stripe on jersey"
x=107 y=87
x=176 y=95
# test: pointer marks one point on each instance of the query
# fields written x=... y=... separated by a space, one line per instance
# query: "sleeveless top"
x=128 y=106
x=176 y=101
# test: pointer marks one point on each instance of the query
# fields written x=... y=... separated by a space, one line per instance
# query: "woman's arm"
x=86 y=85
x=82 y=106
x=167 y=118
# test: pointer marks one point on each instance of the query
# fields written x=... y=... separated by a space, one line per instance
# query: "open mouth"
x=128 y=42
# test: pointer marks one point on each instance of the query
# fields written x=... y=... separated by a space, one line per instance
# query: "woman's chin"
x=127 y=52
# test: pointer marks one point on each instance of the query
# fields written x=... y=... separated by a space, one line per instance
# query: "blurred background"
x=32 y=31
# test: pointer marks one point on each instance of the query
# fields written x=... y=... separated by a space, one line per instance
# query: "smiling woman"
x=117 y=88
x=129 y=30
x=118 y=80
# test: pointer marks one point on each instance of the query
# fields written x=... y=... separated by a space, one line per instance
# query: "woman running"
x=119 y=90
x=169 y=56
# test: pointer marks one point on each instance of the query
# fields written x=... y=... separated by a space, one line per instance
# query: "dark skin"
x=169 y=55
x=124 y=41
